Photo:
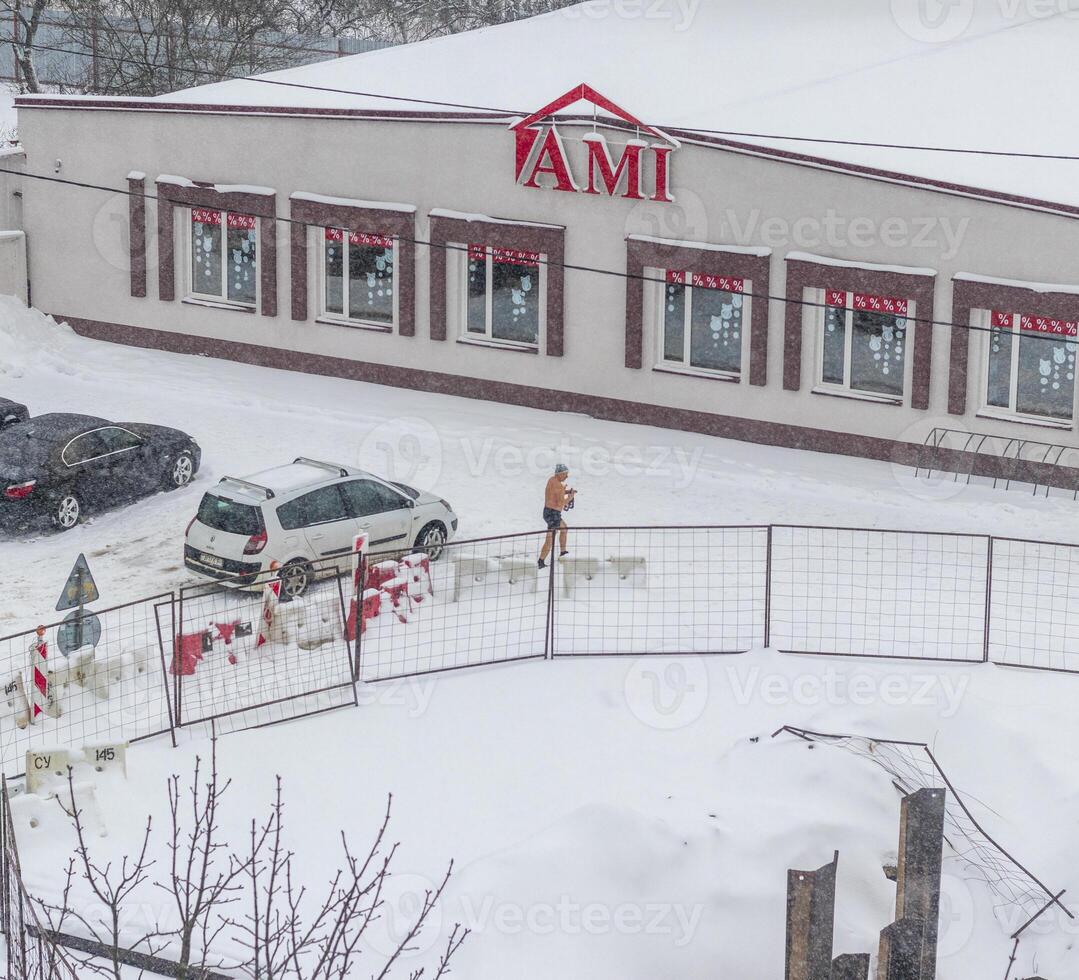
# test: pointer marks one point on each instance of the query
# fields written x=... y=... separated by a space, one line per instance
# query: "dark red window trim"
x=968 y=295
x=548 y=241
x=803 y=274
x=641 y=255
x=399 y=224
x=171 y=196
x=136 y=205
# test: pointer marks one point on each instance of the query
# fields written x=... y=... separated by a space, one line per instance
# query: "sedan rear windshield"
x=229 y=516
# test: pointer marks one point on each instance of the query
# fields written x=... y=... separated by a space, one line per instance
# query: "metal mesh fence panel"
x=1034 y=612
x=637 y=591
x=241 y=658
x=484 y=602
x=109 y=689
x=30 y=952
x=866 y=593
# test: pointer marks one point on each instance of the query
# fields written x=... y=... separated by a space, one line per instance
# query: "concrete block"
x=851 y=966
x=811 y=922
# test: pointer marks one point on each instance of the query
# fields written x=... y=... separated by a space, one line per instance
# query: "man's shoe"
x=541 y=563
x=563 y=555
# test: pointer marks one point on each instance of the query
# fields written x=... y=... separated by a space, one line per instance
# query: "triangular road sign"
x=80 y=589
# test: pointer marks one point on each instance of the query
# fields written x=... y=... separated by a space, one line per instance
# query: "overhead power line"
x=679 y=127
x=566 y=266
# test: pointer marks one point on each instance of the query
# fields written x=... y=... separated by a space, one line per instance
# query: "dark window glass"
x=674 y=322
x=877 y=352
x=240 y=266
x=515 y=302
x=835 y=346
x=229 y=516
x=365 y=497
x=999 y=393
x=1046 y=376
x=335 y=266
x=85 y=447
x=116 y=439
x=317 y=507
x=716 y=330
x=370 y=282
x=477 y=290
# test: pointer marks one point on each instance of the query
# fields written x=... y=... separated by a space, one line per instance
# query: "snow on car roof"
x=981 y=75
x=282 y=479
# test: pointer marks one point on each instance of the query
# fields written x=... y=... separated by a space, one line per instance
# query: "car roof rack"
x=336 y=468
x=247 y=485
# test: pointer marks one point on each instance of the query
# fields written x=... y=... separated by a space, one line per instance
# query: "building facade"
x=574 y=260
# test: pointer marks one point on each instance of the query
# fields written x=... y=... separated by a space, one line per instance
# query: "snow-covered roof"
x=979 y=74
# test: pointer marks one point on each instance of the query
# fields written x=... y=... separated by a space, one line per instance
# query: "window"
x=863 y=342
x=504 y=295
x=1031 y=365
x=364 y=498
x=117 y=440
x=317 y=507
x=358 y=272
x=223 y=256
x=229 y=516
x=88 y=446
x=703 y=321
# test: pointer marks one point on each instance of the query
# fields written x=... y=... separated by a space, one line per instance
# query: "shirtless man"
x=555 y=500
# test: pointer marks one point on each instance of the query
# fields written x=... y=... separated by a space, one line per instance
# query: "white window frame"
x=222 y=300
x=486 y=339
x=684 y=366
x=983 y=319
x=819 y=312
x=343 y=319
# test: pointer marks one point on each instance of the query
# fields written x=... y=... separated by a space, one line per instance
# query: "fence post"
x=768 y=592
x=811 y=922
x=988 y=596
x=164 y=665
x=178 y=630
x=548 y=639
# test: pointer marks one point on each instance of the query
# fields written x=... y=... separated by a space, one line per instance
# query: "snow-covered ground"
x=610 y=818
x=490 y=461
x=628 y=820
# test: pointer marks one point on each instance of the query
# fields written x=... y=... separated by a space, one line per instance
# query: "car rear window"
x=229 y=516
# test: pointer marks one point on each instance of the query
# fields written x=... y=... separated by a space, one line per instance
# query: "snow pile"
x=33 y=342
x=635 y=819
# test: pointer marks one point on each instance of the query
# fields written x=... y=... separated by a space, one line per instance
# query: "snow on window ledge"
x=499 y=345
x=344 y=321
x=218 y=304
x=863 y=266
x=861 y=396
x=1002 y=415
x=690 y=372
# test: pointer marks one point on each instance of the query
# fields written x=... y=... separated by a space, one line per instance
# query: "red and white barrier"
x=42 y=701
x=271 y=599
x=417 y=569
x=358 y=605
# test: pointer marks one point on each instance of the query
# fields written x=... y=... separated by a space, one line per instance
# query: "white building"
x=534 y=214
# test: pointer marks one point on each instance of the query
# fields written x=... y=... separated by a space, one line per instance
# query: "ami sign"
x=541 y=153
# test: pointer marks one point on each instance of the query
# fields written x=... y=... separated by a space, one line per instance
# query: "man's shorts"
x=553 y=518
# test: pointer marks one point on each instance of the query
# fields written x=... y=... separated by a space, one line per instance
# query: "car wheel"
x=66 y=511
x=296 y=577
x=432 y=540
x=180 y=471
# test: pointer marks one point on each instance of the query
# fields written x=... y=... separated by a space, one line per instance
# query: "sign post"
x=80 y=628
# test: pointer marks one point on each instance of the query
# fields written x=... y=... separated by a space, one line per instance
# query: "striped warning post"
x=39 y=673
x=271 y=598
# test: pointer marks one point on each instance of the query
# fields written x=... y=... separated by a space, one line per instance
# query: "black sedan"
x=56 y=468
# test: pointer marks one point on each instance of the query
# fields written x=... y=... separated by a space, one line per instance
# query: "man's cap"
x=561 y=468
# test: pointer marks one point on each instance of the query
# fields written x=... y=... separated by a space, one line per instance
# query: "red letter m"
x=600 y=159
